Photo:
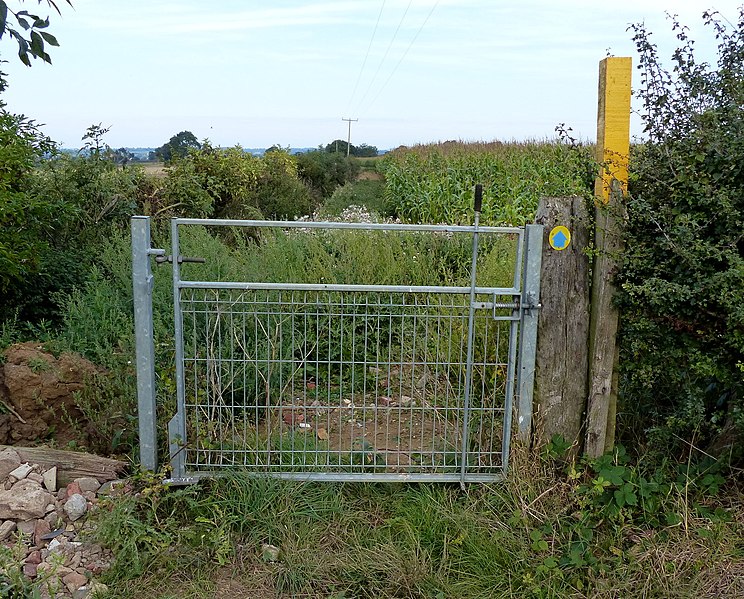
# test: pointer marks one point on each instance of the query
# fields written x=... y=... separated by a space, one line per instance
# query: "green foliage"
x=610 y=504
x=538 y=534
x=368 y=194
x=80 y=200
x=435 y=183
x=178 y=146
x=33 y=26
x=339 y=146
x=25 y=220
x=93 y=139
x=324 y=172
x=229 y=183
x=682 y=277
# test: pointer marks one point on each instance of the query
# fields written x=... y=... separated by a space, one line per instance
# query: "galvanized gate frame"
x=520 y=378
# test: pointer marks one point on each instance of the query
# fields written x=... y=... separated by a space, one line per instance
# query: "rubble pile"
x=43 y=528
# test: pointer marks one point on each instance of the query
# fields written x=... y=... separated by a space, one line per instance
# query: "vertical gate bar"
x=471 y=335
x=178 y=458
x=518 y=261
x=142 y=284
x=509 y=394
x=528 y=336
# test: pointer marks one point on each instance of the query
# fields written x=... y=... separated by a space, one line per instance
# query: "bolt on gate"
x=327 y=380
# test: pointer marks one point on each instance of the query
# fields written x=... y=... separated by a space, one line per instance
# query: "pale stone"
x=21 y=472
x=25 y=500
x=88 y=483
x=50 y=479
x=75 y=507
x=9 y=461
x=36 y=477
x=6 y=529
x=111 y=487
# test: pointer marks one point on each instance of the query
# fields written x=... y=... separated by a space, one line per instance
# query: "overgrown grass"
x=368 y=193
x=98 y=318
x=520 y=538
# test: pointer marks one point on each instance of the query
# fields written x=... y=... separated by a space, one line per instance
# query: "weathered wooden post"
x=613 y=152
x=563 y=330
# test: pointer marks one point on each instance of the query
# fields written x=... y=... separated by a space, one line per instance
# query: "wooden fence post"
x=613 y=152
x=563 y=329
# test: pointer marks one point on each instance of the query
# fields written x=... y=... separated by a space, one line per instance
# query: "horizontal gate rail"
x=299 y=224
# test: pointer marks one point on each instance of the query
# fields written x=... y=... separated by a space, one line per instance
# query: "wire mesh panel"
x=344 y=381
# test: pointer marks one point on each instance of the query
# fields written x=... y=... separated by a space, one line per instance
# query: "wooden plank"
x=613 y=150
x=71 y=464
x=563 y=331
x=602 y=401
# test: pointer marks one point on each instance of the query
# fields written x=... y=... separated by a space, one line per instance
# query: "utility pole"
x=348 y=141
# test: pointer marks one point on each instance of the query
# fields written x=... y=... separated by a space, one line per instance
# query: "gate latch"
x=517 y=306
x=530 y=303
x=162 y=259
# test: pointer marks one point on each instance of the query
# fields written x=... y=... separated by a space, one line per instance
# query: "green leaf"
x=49 y=38
x=550 y=562
x=37 y=45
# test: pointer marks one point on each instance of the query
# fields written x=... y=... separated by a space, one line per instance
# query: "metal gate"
x=345 y=380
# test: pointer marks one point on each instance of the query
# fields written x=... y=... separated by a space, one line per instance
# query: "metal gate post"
x=528 y=337
x=142 y=283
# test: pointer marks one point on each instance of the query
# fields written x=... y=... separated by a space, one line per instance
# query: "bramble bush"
x=681 y=283
x=214 y=182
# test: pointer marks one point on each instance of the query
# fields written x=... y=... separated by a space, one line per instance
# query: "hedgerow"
x=682 y=276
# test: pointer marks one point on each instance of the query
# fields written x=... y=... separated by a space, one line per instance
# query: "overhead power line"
x=366 y=56
x=426 y=20
x=387 y=51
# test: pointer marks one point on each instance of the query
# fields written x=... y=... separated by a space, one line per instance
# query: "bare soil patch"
x=37 y=396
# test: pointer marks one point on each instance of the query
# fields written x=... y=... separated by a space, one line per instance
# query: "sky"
x=287 y=72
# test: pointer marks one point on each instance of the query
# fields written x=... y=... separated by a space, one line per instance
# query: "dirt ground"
x=37 y=396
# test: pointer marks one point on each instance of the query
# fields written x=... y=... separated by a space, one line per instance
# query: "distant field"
x=156 y=169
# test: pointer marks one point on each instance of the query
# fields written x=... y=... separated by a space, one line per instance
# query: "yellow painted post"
x=613 y=124
x=613 y=150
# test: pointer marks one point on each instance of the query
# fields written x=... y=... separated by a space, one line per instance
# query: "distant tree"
x=324 y=171
x=364 y=151
x=339 y=145
x=277 y=148
x=32 y=46
x=178 y=146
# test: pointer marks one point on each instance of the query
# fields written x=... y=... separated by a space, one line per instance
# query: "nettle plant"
x=682 y=276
